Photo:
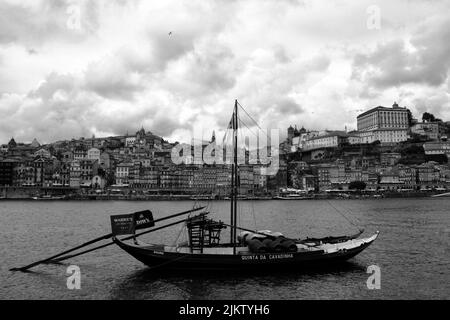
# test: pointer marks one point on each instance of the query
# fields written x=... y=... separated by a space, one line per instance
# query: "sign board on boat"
x=128 y=223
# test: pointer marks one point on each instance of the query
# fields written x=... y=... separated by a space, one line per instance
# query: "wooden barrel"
x=256 y=246
x=289 y=245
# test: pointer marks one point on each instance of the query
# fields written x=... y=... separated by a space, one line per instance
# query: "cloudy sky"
x=77 y=68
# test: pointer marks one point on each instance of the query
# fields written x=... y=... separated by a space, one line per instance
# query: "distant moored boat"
x=48 y=197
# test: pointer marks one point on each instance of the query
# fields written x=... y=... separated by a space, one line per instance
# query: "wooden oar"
x=111 y=243
x=106 y=236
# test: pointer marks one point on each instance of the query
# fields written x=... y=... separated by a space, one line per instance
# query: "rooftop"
x=381 y=108
x=331 y=134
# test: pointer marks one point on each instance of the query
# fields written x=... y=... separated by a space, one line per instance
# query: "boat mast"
x=234 y=176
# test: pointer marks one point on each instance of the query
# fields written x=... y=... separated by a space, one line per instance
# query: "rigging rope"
x=254 y=121
x=343 y=215
x=253 y=214
x=179 y=234
x=242 y=122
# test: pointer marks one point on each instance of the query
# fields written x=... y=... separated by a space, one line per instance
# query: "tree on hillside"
x=428 y=117
x=357 y=185
x=412 y=150
x=410 y=118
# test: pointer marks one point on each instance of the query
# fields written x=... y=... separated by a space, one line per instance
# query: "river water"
x=413 y=251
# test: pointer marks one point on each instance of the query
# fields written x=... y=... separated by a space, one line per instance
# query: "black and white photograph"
x=252 y=152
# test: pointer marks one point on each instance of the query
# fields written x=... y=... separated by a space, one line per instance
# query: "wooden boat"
x=228 y=257
x=446 y=194
x=202 y=197
x=250 y=249
x=293 y=197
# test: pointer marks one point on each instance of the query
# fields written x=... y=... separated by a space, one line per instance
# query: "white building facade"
x=388 y=125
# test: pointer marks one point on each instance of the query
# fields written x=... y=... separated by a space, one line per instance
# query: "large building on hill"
x=388 y=125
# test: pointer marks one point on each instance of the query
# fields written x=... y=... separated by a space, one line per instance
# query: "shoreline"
x=343 y=196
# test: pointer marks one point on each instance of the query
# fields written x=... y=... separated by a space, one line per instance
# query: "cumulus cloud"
x=173 y=66
x=423 y=59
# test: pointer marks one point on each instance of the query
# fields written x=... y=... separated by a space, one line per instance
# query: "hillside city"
x=391 y=152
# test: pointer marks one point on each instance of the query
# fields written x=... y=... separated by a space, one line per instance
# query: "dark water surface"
x=413 y=251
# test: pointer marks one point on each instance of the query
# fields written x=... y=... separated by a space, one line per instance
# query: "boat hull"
x=159 y=259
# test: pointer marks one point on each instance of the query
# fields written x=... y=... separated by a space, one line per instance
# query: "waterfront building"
x=169 y=177
x=149 y=177
x=327 y=174
x=444 y=174
x=259 y=179
x=390 y=180
x=205 y=179
x=23 y=174
x=75 y=174
x=408 y=176
x=43 y=171
x=371 y=179
x=123 y=172
x=246 y=179
x=187 y=177
x=304 y=181
x=223 y=183
x=7 y=172
x=61 y=176
x=427 y=175
x=88 y=169
x=146 y=177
